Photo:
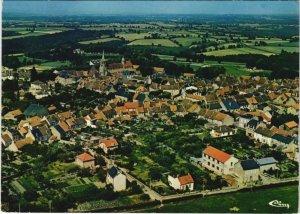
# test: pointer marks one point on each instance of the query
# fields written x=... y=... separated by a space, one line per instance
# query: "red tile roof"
x=64 y=126
x=20 y=143
x=110 y=142
x=131 y=105
x=187 y=179
x=85 y=157
x=216 y=154
x=291 y=124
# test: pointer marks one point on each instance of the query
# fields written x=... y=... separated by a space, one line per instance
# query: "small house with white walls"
x=185 y=182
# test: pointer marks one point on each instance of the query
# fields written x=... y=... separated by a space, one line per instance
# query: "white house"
x=266 y=163
x=222 y=131
x=247 y=170
x=116 y=177
x=185 y=182
x=244 y=120
x=263 y=135
x=39 y=89
x=85 y=160
x=64 y=81
x=218 y=161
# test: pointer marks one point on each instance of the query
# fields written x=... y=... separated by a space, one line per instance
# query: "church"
x=113 y=68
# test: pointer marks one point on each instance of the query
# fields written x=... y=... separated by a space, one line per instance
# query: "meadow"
x=24 y=32
x=132 y=36
x=155 y=42
x=101 y=40
x=47 y=65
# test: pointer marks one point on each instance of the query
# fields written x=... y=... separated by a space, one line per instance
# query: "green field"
x=170 y=58
x=37 y=32
x=187 y=41
x=21 y=58
x=132 y=36
x=102 y=40
x=162 y=42
x=232 y=68
x=275 y=49
x=247 y=202
x=237 y=51
x=47 y=65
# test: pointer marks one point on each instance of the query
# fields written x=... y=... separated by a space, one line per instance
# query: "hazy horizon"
x=94 y=8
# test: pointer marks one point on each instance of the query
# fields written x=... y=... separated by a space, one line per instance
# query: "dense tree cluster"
x=284 y=65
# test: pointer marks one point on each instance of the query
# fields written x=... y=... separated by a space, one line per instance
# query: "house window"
x=218 y=168
x=213 y=165
x=208 y=163
x=231 y=164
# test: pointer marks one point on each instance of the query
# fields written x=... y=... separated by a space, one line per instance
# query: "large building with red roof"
x=218 y=161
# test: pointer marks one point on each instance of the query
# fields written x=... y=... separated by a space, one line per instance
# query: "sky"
x=59 y=8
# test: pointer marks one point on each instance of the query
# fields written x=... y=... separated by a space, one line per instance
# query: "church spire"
x=103 y=55
x=102 y=67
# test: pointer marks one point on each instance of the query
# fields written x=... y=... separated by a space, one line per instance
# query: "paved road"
x=147 y=190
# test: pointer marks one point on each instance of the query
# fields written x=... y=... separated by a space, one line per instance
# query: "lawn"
x=102 y=40
x=58 y=169
x=101 y=204
x=161 y=42
x=248 y=202
x=78 y=188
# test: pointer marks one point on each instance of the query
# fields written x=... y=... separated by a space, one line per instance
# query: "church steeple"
x=103 y=55
x=102 y=67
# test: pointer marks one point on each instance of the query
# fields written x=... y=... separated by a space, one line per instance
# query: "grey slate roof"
x=249 y=164
x=283 y=139
x=264 y=132
x=113 y=171
x=266 y=161
x=252 y=123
